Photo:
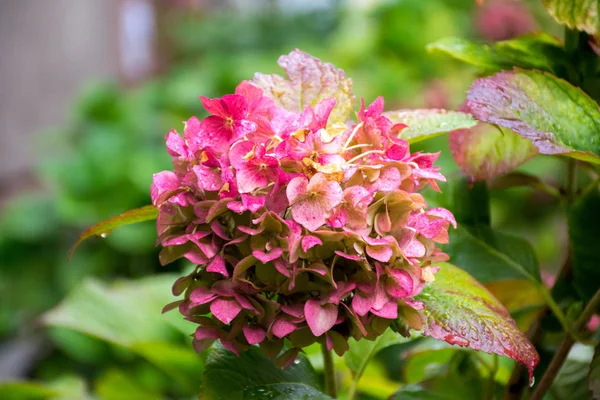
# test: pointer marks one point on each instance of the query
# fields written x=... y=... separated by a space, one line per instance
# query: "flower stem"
x=330 y=385
x=565 y=347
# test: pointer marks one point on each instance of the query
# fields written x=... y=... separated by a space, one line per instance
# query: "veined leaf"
x=254 y=376
x=557 y=117
x=128 y=314
x=532 y=51
x=20 y=390
x=484 y=152
x=102 y=229
x=361 y=353
x=582 y=15
x=460 y=311
x=310 y=81
x=426 y=123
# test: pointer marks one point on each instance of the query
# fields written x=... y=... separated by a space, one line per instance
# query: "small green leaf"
x=254 y=376
x=484 y=152
x=584 y=232
x=460 y=311
x=594 y=374
x=492 y=256
x=475 y=247
x=426 y=123
x=25 y=391
x=360 y=353
x=576 y=14
x=102 y=229
x=310 y=81
x=117 y=385
x=532 y=51
x=557 y=117
x=572 y=382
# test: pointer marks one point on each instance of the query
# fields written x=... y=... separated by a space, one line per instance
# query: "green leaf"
x=253 y=376
x=310 y=81
x=128 y=314
x=475 y=247
x=117 y=385
x=557 y=117
x=102 y=229
x=584 y=234
x=484 y=151
x=461 y=311
x=417 y=392
x=426 y=123
x=25 y=391
x=492 y=256
x=360 y=353
x=594 y=374
x=532 y=51
x=576 y=14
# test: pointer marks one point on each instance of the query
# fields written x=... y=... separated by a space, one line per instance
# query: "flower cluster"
x=302 y=226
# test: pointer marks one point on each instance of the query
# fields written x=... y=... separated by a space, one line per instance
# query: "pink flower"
x=313 y=201
x=303 y=226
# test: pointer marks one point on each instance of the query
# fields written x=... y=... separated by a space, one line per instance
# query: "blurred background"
x=90 y=88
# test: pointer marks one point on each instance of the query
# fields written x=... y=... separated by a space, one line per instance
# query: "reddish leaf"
x=102 y=229
x=484 y=152
x=310 y=81
x=461 y=311
x=557 y=117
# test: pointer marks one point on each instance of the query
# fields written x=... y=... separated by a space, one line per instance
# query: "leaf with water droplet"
x=103 y=228
x=583 y=15
x=461 y=311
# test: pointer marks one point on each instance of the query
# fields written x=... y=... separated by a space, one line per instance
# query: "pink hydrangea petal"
x=444 y=214
x=283 y=327
x=253 y=334
x=206 y=333
x=217 y=265
x=253 y=203
x=380 y=253
x=282 y=267
x=163 y=182
x=266 y=257
x=362 y=303
x=399 y=284
x=295 y=310
x=348 y=256
x=296 y=188
x=176 y=145
x=320 y=318
x=225 y=310
x=310 y=241
x=208 y=178
x=214 y=106
x=388 y=311
x=202 y=295
x=235 y=106
x=414 y=248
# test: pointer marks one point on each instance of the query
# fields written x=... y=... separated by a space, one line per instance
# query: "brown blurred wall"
x=48 y=50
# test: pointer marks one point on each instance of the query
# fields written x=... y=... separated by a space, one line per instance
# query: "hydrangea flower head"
x=303 y=225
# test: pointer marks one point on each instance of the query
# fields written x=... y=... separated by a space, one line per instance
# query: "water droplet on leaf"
x=532 y=381
x=103 y=235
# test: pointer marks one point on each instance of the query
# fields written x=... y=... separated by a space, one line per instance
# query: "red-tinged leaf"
x=424 y=124
x=461 y=311
x=484 y=151
x=582 y=15
x=557 y=117
x=310 y=81
x=102 y=229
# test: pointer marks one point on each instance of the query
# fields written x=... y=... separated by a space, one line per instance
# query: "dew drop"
x=297 y=361
x=103 y=235
x=532 y=381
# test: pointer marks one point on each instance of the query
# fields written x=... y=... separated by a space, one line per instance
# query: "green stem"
x=565 y=347
x=330 y=385
x=571 y=189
